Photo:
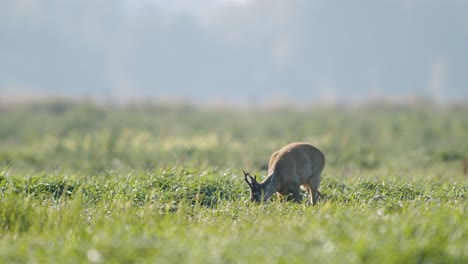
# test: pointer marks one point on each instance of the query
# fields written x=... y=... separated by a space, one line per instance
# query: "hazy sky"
x=234 y=50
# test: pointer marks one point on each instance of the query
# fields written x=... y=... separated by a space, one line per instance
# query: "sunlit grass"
x=203 y=215
x=159 y=185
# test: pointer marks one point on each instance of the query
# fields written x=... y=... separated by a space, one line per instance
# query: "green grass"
x=81 y=184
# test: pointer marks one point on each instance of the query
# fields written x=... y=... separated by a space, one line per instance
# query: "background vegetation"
x=145 y=184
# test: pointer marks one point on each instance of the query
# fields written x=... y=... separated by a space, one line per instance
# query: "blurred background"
x=235 y=52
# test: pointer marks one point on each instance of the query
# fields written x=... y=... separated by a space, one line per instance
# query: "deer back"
x=296 y=163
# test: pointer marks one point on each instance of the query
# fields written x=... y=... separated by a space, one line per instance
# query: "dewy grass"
x=76 y=191
x=168 y=216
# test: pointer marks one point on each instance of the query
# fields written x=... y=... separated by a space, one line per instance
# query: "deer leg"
x=296 y=195
x=314 y=184
x=309 y=190
x=268 y=194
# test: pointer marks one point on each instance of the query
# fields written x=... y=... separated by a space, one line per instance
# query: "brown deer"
x=293 y=166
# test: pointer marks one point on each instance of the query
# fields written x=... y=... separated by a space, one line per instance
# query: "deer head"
x=255 y=188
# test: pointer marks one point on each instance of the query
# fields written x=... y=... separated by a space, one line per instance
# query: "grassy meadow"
x=81 y=183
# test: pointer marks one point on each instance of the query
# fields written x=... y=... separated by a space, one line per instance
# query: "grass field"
x=164 y=184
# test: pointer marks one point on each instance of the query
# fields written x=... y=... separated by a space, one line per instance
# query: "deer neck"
x=266 y=182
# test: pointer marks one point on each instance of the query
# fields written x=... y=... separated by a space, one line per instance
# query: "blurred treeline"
x=91 y=138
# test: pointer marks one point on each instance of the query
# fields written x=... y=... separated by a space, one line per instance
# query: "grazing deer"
x=293 y=166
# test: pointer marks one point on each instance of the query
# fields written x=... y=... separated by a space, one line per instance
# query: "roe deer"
x=293 y=166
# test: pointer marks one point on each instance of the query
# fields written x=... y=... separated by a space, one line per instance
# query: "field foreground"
x=79 y=184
